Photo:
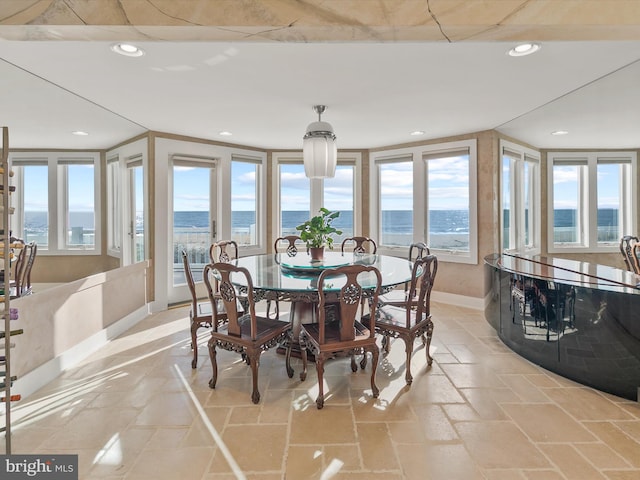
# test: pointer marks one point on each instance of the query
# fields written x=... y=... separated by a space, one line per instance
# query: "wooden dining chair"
x=226 y=251
x=26 y=288
x=413 y=320
x=289 y=245
x=200 y=313
x=247 y=334
x=399 y=297
x=344 y=334
x=627 y=243
x=635 y=257
x=360 y=245
x=20 y=285
x=223 y=251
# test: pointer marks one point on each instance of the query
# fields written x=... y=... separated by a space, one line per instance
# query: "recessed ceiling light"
x=417 y=132
x=559 y=132
x=225 y=133
x=127 y=50
x=80 y=133
x=524 y=49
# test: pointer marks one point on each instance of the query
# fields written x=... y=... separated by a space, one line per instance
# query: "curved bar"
x=577 y=319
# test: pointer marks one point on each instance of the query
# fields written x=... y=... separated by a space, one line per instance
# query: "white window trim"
x=114 y=225
x=17 y=199
x=131 y=162
x=226 y=155
x=589 y=201
x=130 y=152
x=260 y=213
x=392 y=156
x=316 y=195
x=213 y=165
x=420 y=197
x=517 y=219
x=57 y=200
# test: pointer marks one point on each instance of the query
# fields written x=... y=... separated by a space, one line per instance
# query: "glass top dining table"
x=295 y=278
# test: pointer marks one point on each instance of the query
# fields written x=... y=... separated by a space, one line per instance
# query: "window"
x=295 y=197
x=136 y=206
x=591 y=202
x=396 y=201
x=520 y=219
x=448 y=203
x=32 y=198
x=427 y=193
x=78 y=221
x=338 y=196
x=114 y=207
x=195 y=223
x=58 y=197
x=244 y=194
x=299 y=197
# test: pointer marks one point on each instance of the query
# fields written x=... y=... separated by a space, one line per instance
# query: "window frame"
x=420 y=197
x=260 y=210
x=519 y=157
x=316 y=187
x=588 y=198
x=115 y=235
x=58 y=185
x=395 y=157
x=18 y=221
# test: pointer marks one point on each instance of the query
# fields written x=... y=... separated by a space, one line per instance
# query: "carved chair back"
x=627 y=243
x=422 y=278
x=292 y=242
x=222 y=272
x=361 y=244
x=351 y=295
x=223 y=251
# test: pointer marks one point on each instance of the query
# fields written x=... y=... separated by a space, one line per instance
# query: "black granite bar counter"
x=577 y=319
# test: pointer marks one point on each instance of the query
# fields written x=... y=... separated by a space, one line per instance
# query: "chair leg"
x=214 y=364
x=194 y=342
x=363 y=362
x=303 y=350
x=320 y=370
x=386 y=344
x=276 y=309
x=354 y=366
x=288 y=356
x=427 y=345
x=408 y=348
x=254 y=358
x=374 y=367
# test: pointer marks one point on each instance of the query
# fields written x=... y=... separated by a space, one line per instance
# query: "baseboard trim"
x=458 y=300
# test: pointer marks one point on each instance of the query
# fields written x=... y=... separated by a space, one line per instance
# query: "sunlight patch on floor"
x=212 y=430
x=111 y=453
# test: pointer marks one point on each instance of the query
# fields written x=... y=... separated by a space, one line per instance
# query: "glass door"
x=194 y=222
x=136 y=212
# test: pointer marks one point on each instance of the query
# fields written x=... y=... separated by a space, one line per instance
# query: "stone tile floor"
x=136 y=410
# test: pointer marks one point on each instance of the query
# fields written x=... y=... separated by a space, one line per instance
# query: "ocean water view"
x=398 y=221
x=397 y=225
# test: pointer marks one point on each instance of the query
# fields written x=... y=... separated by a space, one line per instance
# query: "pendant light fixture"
x=319 y=149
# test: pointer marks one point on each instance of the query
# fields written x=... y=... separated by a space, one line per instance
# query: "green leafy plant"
x=316 y=232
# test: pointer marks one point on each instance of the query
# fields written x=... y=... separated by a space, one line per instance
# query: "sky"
x=565 y=186
x=447 y=181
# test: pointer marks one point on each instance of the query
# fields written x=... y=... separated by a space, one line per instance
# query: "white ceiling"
x=376 y=93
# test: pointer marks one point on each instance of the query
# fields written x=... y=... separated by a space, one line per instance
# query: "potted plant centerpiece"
x=317 y=232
